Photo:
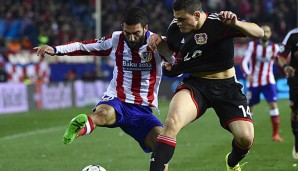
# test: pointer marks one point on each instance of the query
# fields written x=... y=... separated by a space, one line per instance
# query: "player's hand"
x=167 y=66
x=228 y=17
x=153 y=41
x=289 y=71
x=44 y=49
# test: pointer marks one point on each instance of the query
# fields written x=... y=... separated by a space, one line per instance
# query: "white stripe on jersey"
x=258 y=62
x=284 y=42
x=214 y=16
x=136 y=74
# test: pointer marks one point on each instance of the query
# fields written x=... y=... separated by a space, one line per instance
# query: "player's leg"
x=270 y=94
x=274 y=115
x=235 y=116
x=151 y=137
x=294 y=116
x=294 y=125
x=243 y=132
x=150 y=140
x=82 y=124
x=182 y=111
x=293 y=85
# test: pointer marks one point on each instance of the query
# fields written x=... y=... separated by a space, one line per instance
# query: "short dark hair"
x=134 y=16
x=190 y=6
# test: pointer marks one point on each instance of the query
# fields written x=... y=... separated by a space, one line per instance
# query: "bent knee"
x=245 y=140
x=172 y=127
x=103 y=117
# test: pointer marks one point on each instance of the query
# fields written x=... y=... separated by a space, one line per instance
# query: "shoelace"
x=238 y=167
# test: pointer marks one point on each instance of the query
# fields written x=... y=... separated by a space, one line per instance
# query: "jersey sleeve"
x=285 y=47
x=246 y=59
x=173 y=29
x=231 y=32
x=96 y=47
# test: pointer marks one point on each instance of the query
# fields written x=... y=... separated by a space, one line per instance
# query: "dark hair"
x=134 y=16
x=266 y=24
x=190 y=6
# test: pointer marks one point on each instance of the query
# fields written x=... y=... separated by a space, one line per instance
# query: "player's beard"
x=136 y=44
x=265 y=39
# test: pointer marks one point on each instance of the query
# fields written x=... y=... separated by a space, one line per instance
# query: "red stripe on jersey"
x=261 y=65
x=136 y=79
x=108 y=36
x=37 y=68
x=253 y=59
x=24 y=70
x=152 y=80
x=14 y=68
x=120 y=75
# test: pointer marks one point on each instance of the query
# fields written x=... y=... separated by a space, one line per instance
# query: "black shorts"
x=223 y=95
x=293 y=85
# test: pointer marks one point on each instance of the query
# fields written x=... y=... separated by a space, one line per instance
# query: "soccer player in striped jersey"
x=257 y=66
x=290 y=46
x=203 y=45
x=133 y=90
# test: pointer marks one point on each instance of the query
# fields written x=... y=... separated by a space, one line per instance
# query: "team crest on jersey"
x=147 y=56
x=201 y=38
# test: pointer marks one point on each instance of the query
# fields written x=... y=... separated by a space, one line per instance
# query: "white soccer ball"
x=94 y=167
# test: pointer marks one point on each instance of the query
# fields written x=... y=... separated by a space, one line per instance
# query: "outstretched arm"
x=248 y=28
x=45 y=49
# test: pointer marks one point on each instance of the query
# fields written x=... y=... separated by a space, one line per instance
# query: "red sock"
x=275 y=124
x=89 y=127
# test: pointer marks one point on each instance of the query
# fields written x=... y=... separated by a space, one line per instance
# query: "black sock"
x=163 y=151
x=237 y=154
x=294 y=124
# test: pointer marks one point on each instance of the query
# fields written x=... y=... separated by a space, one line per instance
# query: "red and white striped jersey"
x=33 y=71
x=258 y=62
x=137 y=73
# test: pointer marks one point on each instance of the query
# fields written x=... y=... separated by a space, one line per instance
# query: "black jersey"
x=209 y=49
x=290 y=45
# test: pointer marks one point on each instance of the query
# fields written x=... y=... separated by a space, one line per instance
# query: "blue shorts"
x=269 y=92
x=135 y=120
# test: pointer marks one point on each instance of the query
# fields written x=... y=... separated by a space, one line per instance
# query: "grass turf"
x=33 y=141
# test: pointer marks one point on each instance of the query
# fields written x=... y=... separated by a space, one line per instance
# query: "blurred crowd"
x=28 y=23
x=25 y=24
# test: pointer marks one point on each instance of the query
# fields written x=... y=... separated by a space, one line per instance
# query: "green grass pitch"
x=32 y=141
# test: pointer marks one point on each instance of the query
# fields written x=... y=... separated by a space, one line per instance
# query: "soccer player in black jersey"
x=290 y=45
x=203 y=46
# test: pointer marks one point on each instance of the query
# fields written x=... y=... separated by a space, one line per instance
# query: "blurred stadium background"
x=43 y=95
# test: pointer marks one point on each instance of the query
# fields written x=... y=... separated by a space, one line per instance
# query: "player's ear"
x=146 y=27
x=197 y=15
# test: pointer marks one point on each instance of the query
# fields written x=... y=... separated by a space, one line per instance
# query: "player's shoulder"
x=291 y=34
x=173 y=25
x=293 y=31
x=116 y=34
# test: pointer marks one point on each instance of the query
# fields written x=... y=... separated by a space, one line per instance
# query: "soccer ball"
x=94 y=167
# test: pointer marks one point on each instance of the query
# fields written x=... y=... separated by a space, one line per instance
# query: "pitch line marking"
x=30 y=133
